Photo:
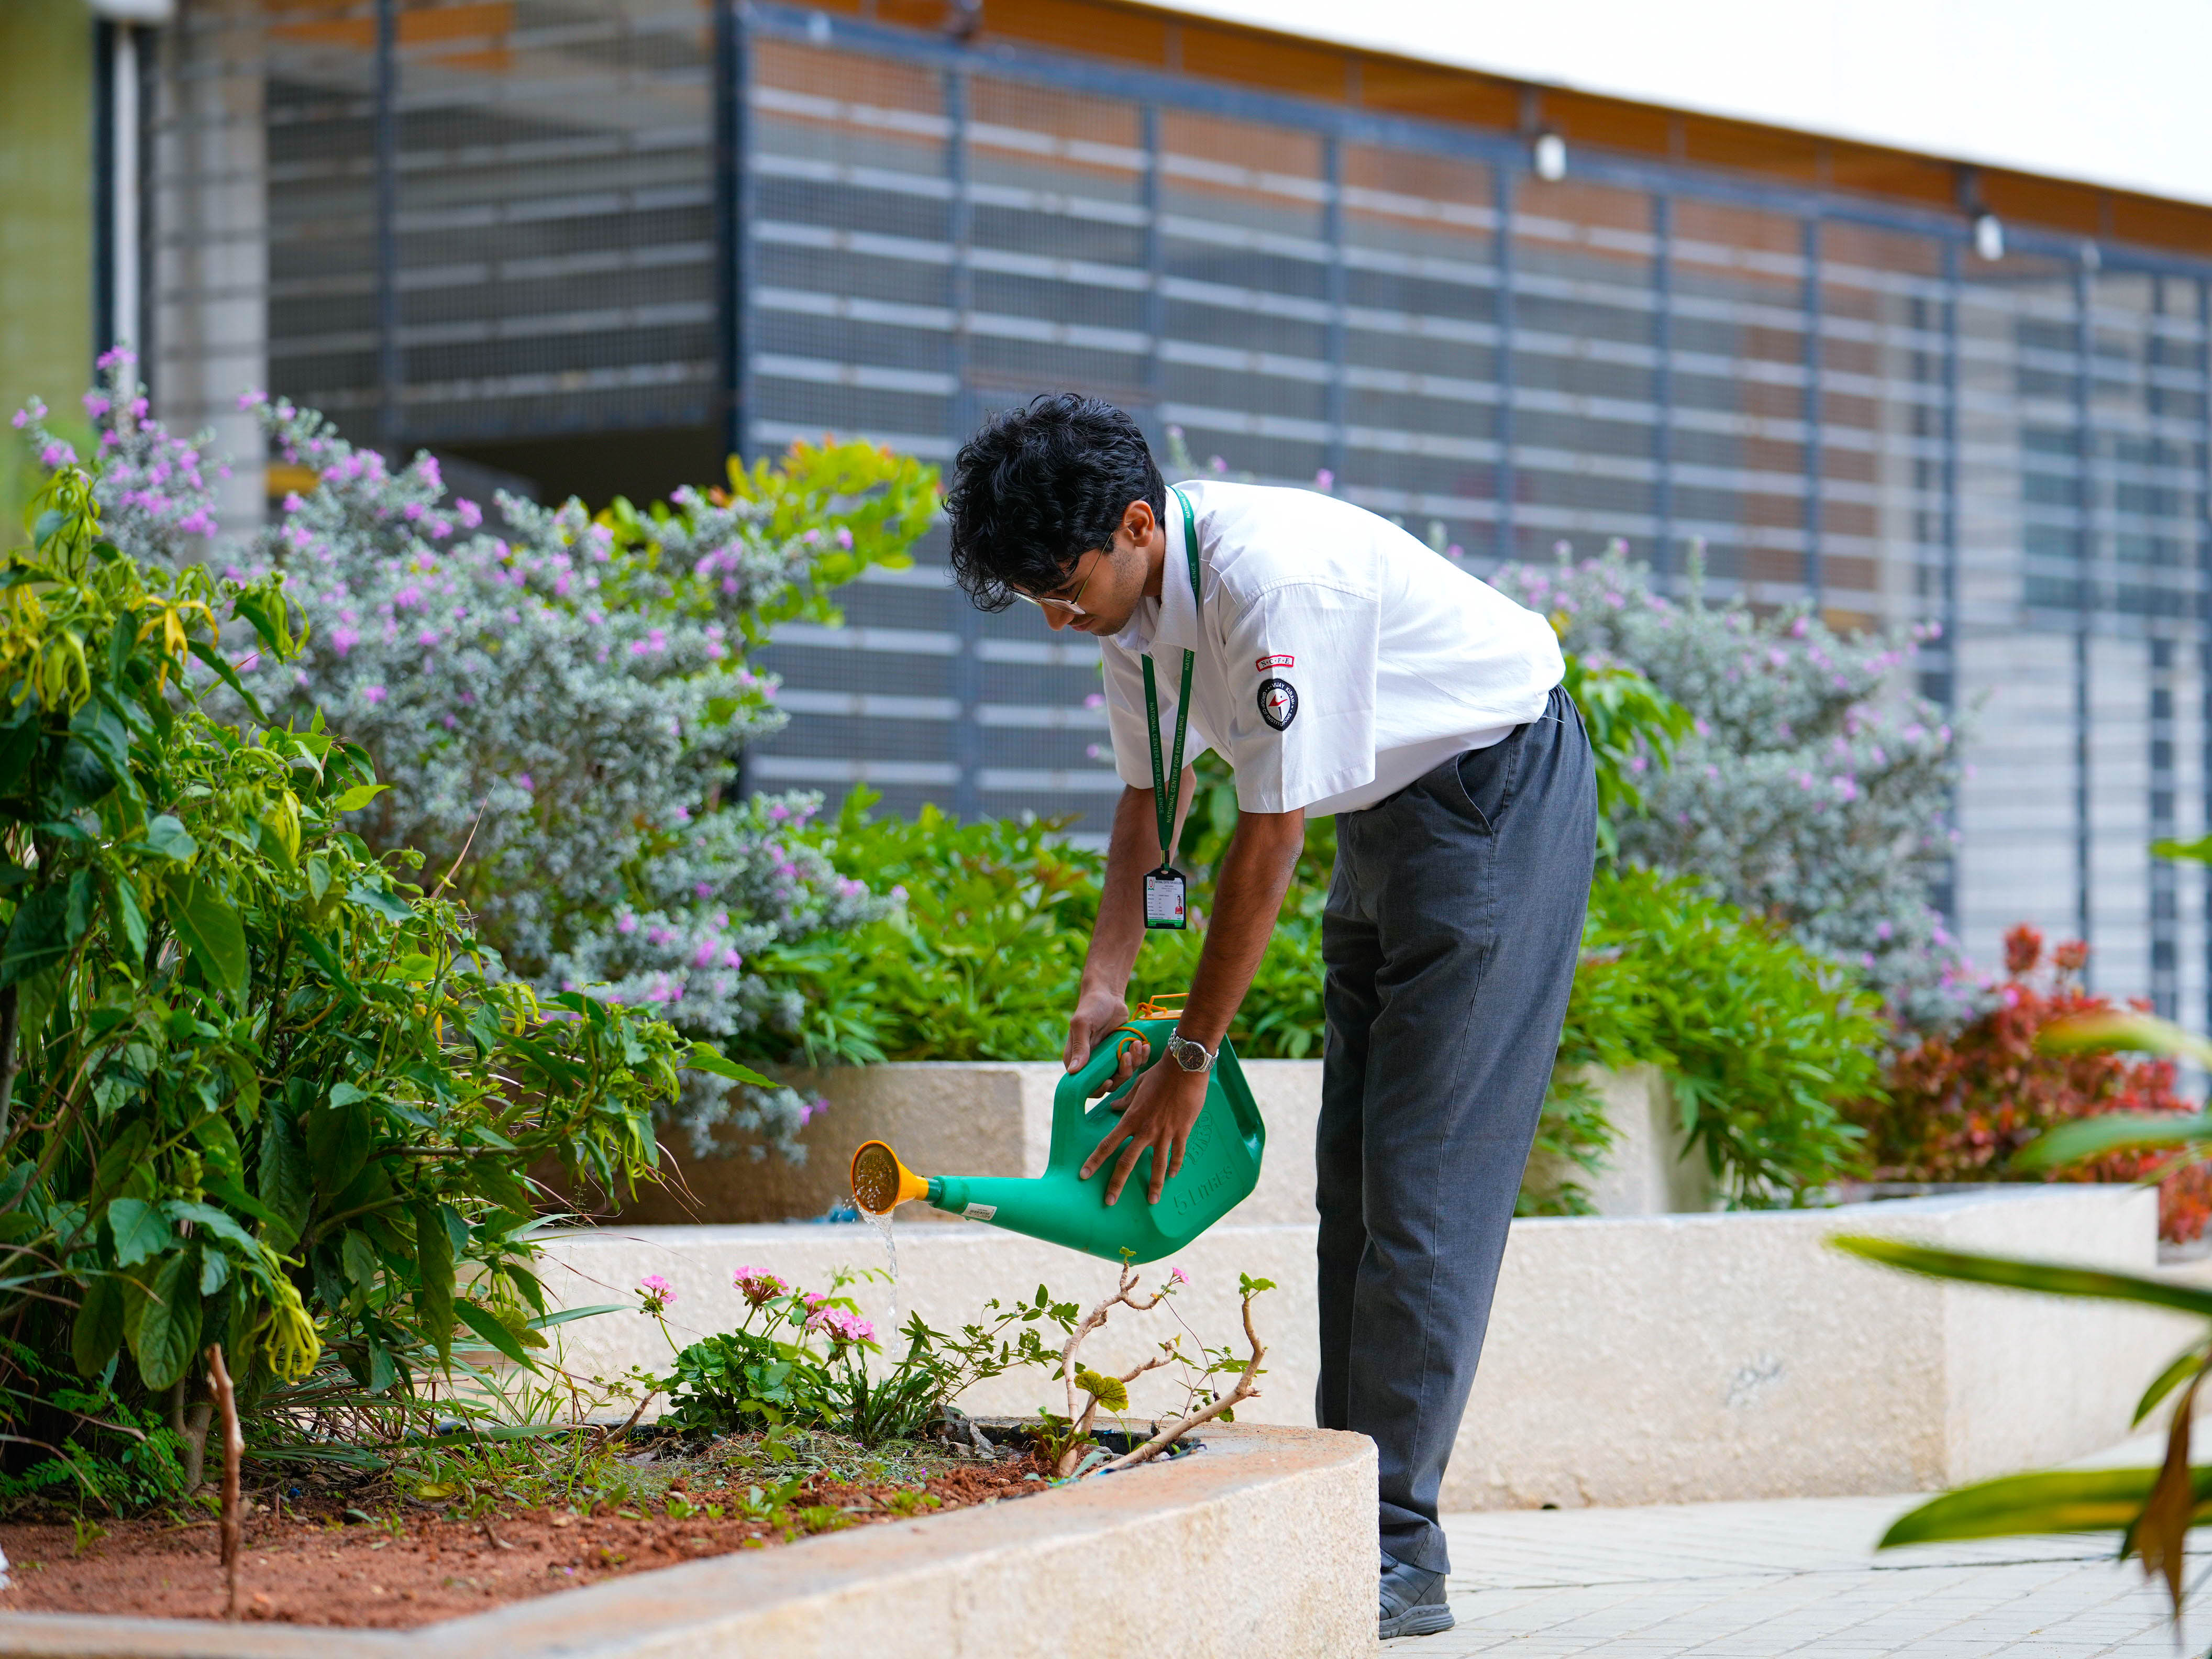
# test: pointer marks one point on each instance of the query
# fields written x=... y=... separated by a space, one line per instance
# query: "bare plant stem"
x=234 y=1449
x=190 y=1425
x=8 y=1017
x=1175 y=1431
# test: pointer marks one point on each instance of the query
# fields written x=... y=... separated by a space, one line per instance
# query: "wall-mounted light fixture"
x=1989 y=236
x=1547 y=157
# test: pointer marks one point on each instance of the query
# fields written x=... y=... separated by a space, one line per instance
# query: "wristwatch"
x=1191 y=1056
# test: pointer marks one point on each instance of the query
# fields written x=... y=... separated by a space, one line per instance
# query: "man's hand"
x=1096 y=1013
x=1162 y=1108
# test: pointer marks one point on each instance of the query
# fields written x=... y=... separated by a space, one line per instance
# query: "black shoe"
x=1413 y=1600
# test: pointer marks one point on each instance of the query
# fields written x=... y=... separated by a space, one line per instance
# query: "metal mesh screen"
x=490 y=220
x=443 y=221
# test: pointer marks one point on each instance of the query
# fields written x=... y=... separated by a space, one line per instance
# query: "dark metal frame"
x=1664 y=182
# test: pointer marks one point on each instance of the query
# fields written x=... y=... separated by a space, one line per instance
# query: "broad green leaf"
x=2014 y=1274
x=129 y=917
x=2094 y=1137
x=168 y=1334
x=214 y=1220
x=2122 y=1029
x=358 y=797
x=2050 y=1501
x=337 y=1140
x=360 y=1259
x=98 y=1330
x=212 y=932
x=433 y=1299
x=2199 y=852
x=286 y=1186
x=140 y=1230
x=388 y=905
x=1109 y=1391
x=704 y=1057
x=486 y=1325
x=2185 y=1365
x=84 y=775
x=37 y=938
x=166 y=837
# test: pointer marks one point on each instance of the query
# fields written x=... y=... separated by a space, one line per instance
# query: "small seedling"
x=913 y=1502
x=88 y=1532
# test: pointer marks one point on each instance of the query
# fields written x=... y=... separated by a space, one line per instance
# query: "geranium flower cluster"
x=1813 y=788
x=557 y=707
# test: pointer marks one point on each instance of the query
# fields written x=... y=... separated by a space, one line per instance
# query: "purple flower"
x=626 y=924
x=525 y=780
x=373 y=694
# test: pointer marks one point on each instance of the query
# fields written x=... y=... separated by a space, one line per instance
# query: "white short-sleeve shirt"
x=1338 y=659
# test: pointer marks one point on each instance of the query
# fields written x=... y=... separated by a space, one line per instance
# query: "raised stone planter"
x=1264 y=1543
x=1631 y=1360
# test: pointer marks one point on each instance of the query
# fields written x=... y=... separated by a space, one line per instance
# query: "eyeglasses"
x=1064 y=607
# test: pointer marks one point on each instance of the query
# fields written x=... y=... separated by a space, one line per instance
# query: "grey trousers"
x=1453 y=926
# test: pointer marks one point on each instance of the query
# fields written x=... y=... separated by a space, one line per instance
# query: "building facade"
x=589 y=244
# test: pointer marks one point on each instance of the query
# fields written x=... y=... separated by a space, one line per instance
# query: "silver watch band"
x=1183 y=1049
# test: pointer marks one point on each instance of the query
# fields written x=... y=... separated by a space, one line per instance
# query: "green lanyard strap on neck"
x=1165 y=799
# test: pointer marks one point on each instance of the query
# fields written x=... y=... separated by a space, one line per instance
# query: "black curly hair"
x=1037 y=488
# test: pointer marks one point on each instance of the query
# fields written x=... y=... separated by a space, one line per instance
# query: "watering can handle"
x=1072 y=1098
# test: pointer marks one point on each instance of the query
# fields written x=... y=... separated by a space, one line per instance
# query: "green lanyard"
x=1164 y=800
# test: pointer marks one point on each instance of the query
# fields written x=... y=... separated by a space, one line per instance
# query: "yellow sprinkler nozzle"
x=880 y=1182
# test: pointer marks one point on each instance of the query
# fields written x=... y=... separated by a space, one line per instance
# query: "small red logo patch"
x=1266 y=663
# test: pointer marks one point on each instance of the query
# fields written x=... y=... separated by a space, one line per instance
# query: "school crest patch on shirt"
x=1279 y=701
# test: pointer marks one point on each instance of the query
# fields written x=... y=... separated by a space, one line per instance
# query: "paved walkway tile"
x=1791 y=1577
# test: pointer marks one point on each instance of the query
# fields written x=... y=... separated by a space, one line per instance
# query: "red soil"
x=305 y=1564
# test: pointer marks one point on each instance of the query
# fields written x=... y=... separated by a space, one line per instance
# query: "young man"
x=1339 y=666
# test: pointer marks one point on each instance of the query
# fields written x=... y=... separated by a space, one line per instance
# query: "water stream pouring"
x=1220 y=1166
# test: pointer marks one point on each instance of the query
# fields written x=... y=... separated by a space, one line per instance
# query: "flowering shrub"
x=799 y=1359
x=558 y=709
x=1960 y=1108
x=1809 y=789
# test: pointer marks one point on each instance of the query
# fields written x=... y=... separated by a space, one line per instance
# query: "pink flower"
x=654 y=1293
x=373 y=694
x=844 y=1330
x=1175 y=1277
x=756 y=1286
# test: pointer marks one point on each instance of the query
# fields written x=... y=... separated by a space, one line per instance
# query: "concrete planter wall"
x=1630 y=1359
x=1264 y=1543
x=996 y=1118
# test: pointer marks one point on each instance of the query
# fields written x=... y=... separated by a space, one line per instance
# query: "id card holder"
x=1164 y=898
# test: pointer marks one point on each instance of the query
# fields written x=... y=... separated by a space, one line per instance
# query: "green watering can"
x=1220 y=1166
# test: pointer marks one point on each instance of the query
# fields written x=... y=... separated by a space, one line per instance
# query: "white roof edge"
x=2107 y=97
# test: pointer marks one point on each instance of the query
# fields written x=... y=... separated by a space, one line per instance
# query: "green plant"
x=804 y=1365
x=255 y=1089
x=1762 y=1042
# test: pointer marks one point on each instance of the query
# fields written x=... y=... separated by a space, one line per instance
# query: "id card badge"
x=1164 y=898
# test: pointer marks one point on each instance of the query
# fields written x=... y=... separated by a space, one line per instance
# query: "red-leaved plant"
x=1960 y=1107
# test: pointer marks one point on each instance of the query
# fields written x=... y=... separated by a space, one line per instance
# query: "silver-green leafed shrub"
x=1813 y=788
x=559 y=709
